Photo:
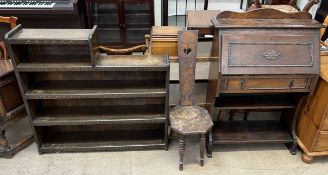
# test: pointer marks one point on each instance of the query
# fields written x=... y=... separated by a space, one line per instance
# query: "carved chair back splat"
x=187 y=64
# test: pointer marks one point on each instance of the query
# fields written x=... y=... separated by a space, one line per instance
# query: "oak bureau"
x=267 y=60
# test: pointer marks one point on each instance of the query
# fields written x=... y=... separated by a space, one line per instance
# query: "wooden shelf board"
x=103 y=141
x=106 y=14
x=51 y=34
x=95 y=89
x=103 y=63
x=103 y=29
x=254 y=102
x=34 y=67
x=231 y=132
x=133 y=61
x=94 y=115
x=145 y=12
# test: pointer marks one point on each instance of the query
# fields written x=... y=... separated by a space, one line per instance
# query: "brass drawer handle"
x=242 y=84
x=291 y=83
x=271 y=54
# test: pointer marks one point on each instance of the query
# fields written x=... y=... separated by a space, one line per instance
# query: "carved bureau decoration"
x=188 y=118
x=267 y=60
x=79 y=100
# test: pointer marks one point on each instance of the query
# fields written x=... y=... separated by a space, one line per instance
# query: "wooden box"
x=164 y=40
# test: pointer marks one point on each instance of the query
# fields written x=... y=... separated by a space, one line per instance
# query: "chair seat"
x=190 y=119
x=283 y=8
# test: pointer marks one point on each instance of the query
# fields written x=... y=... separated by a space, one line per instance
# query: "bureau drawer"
x=270 y=54
x=325 y=124
x=322 y=142
x=244 y=84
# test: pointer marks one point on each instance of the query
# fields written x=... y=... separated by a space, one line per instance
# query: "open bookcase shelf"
x=113 y=140
x=93 y=115
x=80 y=100
x=95 y=89
x=250 y=132
x=255 y=101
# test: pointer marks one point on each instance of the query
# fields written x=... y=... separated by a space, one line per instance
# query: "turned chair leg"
x=202 y=148
x=3 y=140
x=181 y=151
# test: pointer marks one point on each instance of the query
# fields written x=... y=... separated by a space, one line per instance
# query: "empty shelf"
x=255 y=102
x=250 y=132
x=66 y=89
x=94 y=115
x=118 y=140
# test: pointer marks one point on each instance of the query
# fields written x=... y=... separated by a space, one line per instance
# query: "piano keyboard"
x=26 y=4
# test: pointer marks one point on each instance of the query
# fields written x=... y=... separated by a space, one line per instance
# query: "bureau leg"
x=209 y=144
x=3 y=141
x=292 y=147
x=202 y=148
x=181 y=151
x=231 y=113
x=306 y=158
x=246 y=112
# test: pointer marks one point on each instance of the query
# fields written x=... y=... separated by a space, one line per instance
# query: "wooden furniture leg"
x=209 y=145
x=202 y=148
x=205 y=4
x=232 y=113
x=181 y=151
x=246 y=115
x=306 y=158
x=3 y=141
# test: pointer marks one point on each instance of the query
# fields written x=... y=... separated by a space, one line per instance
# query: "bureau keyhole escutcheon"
x=271 y=54
x=291 y=83
x=242 y=84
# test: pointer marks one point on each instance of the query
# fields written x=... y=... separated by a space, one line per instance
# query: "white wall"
x=158 y=12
